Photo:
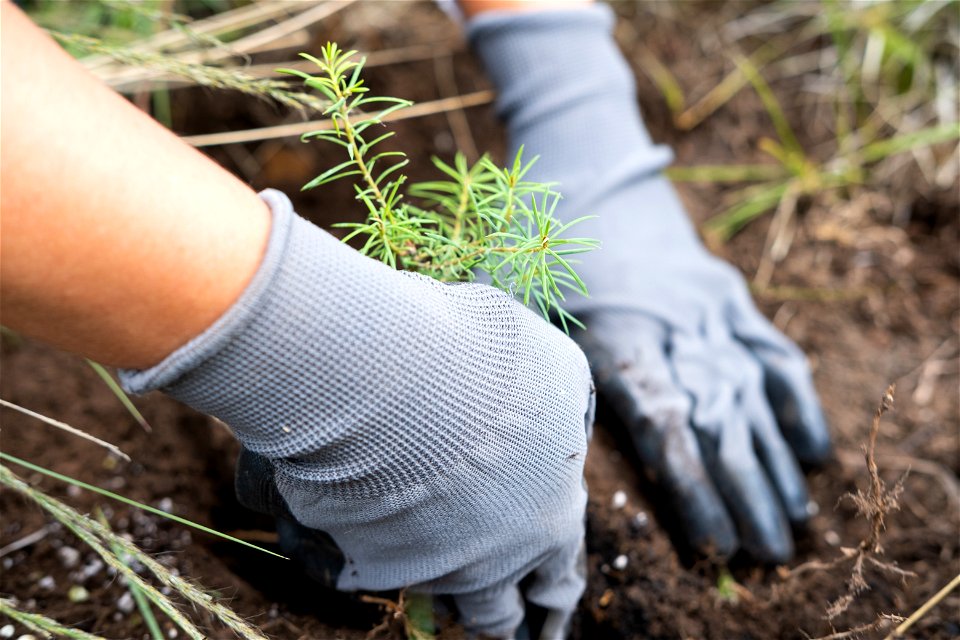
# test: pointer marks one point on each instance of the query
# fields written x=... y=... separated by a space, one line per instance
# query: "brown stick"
x=288 y=130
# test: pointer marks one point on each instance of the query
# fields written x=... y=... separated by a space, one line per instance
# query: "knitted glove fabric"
x=710 y=392
x=436 y=432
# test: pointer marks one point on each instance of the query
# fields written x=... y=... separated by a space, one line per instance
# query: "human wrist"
x=473 y=8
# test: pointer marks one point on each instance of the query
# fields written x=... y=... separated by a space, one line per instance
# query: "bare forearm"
x=119 y=242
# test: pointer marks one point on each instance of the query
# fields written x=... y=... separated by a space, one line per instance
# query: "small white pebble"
x=78 y=594
x=47 y=582
x=7 y=631
x=27 y=636
x=73 y=491
x=7 y=563
x=91 y=569
x=831 y=538
x=125 y=603
x=641 y=520
x=165 y=505
x=620 y=562
x=172 y=632
x=69 y=556
x=619 y=500
x=813 y=508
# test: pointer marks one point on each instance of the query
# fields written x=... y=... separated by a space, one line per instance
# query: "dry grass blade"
x=882 y=622
x=112 y=448
x=256 y=40
x=133 y=503
x=924 y=609
x=196 y=73
x=456 y=118
x=42 y=624
x=234 y=20
x=101 y=539
x=297 y=129
x=779 y=237
x=727 y=88
x=84 y=528
x=380 y=58
x=143 y=602
x=26 y=541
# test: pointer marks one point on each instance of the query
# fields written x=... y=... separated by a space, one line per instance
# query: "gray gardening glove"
x=436 y=433
x=718 y=403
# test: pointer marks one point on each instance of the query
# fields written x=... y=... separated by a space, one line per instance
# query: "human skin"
x=472 y=8
x=117 y=240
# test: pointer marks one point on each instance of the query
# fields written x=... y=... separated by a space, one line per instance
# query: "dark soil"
x=870 y=302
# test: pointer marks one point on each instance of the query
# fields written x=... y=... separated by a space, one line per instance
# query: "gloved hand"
x=699 y=378
x=436 y=433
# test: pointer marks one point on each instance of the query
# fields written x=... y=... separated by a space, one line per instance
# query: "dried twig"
x=883 y=621
x=27 y=540
x=924 y=608
x=456 y=118
x=877 y=502
x=296 y=129
x=112 y=448
x=921 y=466
x=874 y=504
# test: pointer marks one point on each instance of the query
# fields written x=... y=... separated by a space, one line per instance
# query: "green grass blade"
x=787 y=137
x=727 y=173
x=909 y=141
x=665 y=81
x=92 y=534
x=121 y=395
x=132 y=503
x=143 y=603
x=726 y=224
x=419 y=610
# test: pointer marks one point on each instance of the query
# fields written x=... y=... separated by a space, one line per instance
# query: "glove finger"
x=495 y=612
x=790 y=390
x=557 y=586
x=716 y=376
x=634 y=377
x=776 y=456
x=255 y=485
x=312 y=550
x=789 y=386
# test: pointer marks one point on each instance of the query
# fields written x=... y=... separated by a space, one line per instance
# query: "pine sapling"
x=475 y=218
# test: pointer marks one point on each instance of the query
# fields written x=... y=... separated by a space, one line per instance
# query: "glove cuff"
x=345 y=368
x=563 y=67
x=237 y=317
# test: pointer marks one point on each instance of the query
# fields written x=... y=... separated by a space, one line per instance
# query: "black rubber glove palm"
x=710 y=393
